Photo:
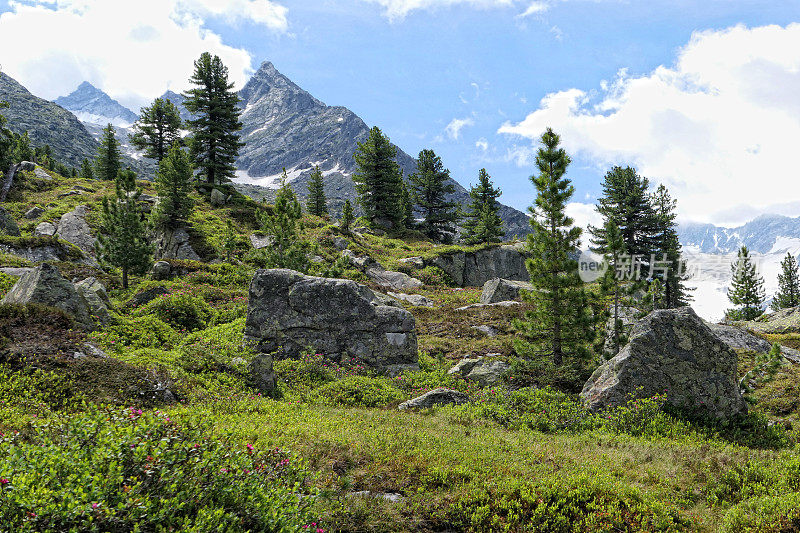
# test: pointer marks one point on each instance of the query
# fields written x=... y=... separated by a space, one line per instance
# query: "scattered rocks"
x=174 y=244
x=414 y=299
x=217 y=198
x=289 y=312
x=160 y=270
x=489 y=331
x=393 y=497
x=8 y=226
x=34 y=212
x=464 y=366
x=41 y=174
x=260 y=241
x=93 y=351
x=416 y=262
x=74 y=228
x=340 y=243
x=503 y=290
x=392 y=280
x=779 y=322
x=672 y=352
x=483 y=370
x=473 y=269
x=739 y=339
x=45 y=229
x=440 y=396
x=45 y=285
x=141 y=298
x=97 y=300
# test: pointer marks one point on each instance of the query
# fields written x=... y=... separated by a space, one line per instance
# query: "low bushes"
x=180 y=310
x=358 y=391
x=134 y=333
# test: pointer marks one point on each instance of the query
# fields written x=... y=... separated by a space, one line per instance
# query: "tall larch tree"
x=747 y=288
x=610 y=282
x=430 y=185
x=560 y=324
x=347 y=217
x=123 y=241
x=378 y=181
x=482 y=224
x=173 y=184
x=158 y=128
x=109 y=158
x=668 y=267
x=788 y=294
x=214 y=139
x=317 y=203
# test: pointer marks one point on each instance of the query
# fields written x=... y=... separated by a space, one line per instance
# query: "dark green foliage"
x=86 y=172
x=559 y=326
x=6 y=142
x=173 y=183
x=180 y=310
x=317 y=204
x=430 y=185
x=610 y=282
x=788 y=294
x=22 y=149
x=406 y=206
x=146 y=331
x=123 y=240
x=158 y=128
x=107 y=470
x=347 y=217
x=668 y=266
x=215 y=141
x=378 y=181
x=230 y=241
x=747 y=287
x=626 y=201
x=483 y=223
x=108 y=162
x=284 y=225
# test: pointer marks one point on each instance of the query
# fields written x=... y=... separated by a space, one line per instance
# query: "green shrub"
x=431 y=275
x=6 y=282
x=180 y=310
x=770 y=513
x=215 y=348
x=32 y=393
x=358 y=391
x=133 y=471
x=139 y=332
x=11 y=260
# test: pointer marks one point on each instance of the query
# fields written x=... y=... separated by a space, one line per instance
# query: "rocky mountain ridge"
x=764 y=234
x=92 y=105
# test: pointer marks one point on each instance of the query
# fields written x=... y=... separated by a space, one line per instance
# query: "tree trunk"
x=124 y=278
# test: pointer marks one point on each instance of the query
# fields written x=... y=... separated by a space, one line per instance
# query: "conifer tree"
x=482 y=223
x=610 y=283
x=347 y=217
x=108 y=163
x=158 y=128
x=378 y=181
x=430 y=185
x=230 y=241
x=6 y=143
x=284 y=225
x=627 y=202
x=317 y=203
x=86 y=171
x=747 y=288
x=123 y=240
x=215 y=142
x=22 y=150
x=406 y=205
x=667 y=249
x=788 y=294
x=560 y=325
x=173 y=184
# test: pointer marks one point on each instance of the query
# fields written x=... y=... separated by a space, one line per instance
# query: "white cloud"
x=584 y=215
x=720 y=128
x=453 y=129
x=534 y=9
x=399 y=9
x=132 y=50
x=482 y=144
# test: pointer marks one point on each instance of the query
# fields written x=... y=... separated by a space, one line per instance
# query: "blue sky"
x=482 y=63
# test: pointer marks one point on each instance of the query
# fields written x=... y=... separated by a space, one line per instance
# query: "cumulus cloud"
x=482 y=144
x=399 y=9
x=719 y=127
x=584 y=215
x=453 y=129
x=132 y=50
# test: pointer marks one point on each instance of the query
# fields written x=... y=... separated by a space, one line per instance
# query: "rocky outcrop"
x=288 y=313
x=413 y=299
x=45 y=285
x=740 y=339
x=44 y=229
x=482 y=370
x=671 y=352
x=97 y=300
x=387 y=279
x=8 y=226
x=474 y=269
x=217 y=198
x=36 y=253
x=503 y=290
x=783 y=321
x=174 y=244
x=440 y=396
x=73 y=228
x=161 y=270
x=260 y=241
x=34 y=213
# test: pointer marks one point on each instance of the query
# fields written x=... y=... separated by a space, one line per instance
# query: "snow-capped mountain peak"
x=93 y=106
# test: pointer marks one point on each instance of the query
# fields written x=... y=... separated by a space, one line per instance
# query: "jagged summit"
x=92 y=105
x=178 y=100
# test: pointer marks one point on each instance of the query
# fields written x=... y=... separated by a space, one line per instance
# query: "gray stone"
x=503 y=290
x=73 y=228
x=672 y=352
x=93 y=285
x=174 y=244
x=489 y=331
x=488 y=306
x=473 y=269
x=45 y=285
x=316 y=259
x=740 y=339
x=392 y=280
x=141 y=298
x=217 y=198
x=35 y=254
x=362 y=262
x=416 y=262
x=340 y=243
x=779 y=322
x=262 y=375
x=17 y=272
x=34 y=212
x=160 y=270
x=289 y=312
x=463 y=367
x=8 y=226
x=628 y=316
x=44 y=229
x=42 y=174
x=260 y=241
x=440 y=396
x=395 y=370
x=93 y=351
x=414 y=299
x=488 y=372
